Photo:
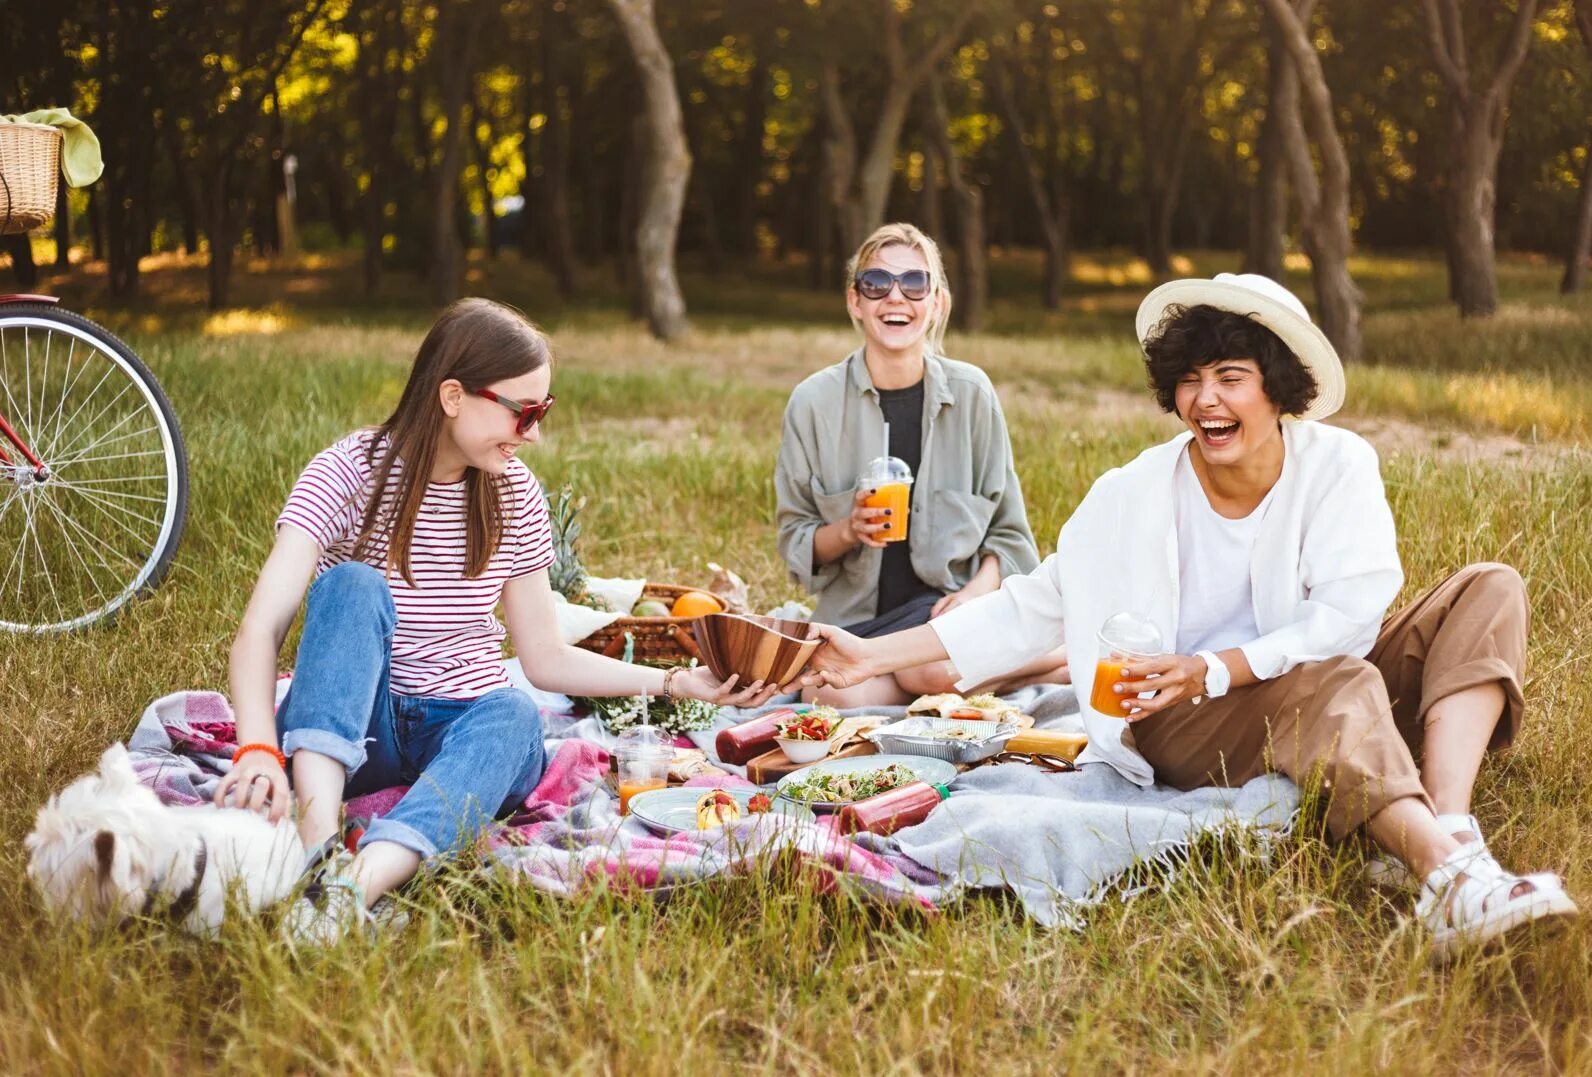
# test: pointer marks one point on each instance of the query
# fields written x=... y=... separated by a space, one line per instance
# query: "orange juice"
x=895 y=496
x=1107 y=673
x=630 y=789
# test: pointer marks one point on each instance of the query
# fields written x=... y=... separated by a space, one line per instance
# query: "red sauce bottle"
x=740 y=743
x=889 y=812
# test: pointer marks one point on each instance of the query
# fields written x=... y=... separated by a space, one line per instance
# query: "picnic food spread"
x=715 y=809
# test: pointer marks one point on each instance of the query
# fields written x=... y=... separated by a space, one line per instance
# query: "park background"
x=292 y=190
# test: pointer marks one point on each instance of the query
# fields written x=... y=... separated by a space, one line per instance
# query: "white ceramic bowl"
x=803 y=751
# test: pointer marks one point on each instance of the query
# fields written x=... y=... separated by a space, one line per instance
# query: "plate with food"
x=833 y=784
x=683 y=810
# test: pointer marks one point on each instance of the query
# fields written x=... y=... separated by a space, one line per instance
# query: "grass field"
x=1484 y=428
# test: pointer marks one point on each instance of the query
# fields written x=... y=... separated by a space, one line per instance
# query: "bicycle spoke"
x=105 y=508
x=66 y=393
x=97 y=486
x=5 y=385
x=60 y=465
x=95 y=546
x=88 y=575
x=72 y=419
x=56 y=463
x=76 y=446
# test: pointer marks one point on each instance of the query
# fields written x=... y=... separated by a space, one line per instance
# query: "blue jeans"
x=465 y=759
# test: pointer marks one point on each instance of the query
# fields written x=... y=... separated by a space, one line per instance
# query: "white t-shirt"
x=1216 y=607
x=448 y=642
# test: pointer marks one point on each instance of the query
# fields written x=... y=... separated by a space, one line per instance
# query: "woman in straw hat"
x=1260 y=544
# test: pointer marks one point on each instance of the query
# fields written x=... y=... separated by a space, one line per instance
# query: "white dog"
x=105 y=848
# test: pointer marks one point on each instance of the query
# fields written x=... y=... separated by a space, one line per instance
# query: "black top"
x=903 y=410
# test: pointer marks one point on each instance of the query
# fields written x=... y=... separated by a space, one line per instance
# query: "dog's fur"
x=106 y=848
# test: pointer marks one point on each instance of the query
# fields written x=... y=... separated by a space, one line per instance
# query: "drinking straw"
x=886 y=452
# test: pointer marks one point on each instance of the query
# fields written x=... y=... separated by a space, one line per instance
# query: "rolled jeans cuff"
x=399 y=834
x=349 y=753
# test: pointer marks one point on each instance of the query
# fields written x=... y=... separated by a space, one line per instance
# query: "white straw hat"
x=1270 y=304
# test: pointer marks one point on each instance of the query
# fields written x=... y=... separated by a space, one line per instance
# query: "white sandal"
x=1388 y=872
x=1468 y=901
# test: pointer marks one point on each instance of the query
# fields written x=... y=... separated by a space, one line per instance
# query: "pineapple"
x=568 y=575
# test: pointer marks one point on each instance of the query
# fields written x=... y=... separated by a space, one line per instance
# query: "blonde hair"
x=902 y=234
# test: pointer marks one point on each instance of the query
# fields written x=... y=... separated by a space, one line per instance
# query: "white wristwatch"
x=1218 y=678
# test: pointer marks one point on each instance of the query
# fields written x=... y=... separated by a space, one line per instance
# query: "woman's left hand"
x=700 y=683
x=1174 y=678
x=976 y=588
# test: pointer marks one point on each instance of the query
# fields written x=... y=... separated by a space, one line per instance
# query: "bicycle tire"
x=154 y=567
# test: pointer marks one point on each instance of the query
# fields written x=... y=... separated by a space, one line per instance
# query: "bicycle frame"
x=5 y=427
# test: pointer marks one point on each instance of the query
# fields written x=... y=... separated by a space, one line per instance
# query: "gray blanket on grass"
x=1064 y=842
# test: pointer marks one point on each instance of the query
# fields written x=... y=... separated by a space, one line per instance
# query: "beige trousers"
x=1355 y=724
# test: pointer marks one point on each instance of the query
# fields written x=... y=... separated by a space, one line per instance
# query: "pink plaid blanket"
x=568 y=834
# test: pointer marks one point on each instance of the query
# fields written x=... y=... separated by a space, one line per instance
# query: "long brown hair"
x=476 y=342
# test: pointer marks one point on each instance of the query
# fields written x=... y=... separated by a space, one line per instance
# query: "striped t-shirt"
x=449 y=642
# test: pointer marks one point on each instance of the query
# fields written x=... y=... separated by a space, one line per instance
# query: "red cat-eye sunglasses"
x=530 y=414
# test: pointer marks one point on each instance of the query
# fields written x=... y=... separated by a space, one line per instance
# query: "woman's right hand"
x=864 y=524
x=841 y=661
x=258 y=783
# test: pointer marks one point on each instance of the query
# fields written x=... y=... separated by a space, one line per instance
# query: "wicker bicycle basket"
x=30 y=168
x=657 y=639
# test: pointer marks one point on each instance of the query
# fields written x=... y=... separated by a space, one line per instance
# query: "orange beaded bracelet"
x=243 y=749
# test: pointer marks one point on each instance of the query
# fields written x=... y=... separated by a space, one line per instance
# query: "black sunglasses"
x=530 y=414
x=876 y=283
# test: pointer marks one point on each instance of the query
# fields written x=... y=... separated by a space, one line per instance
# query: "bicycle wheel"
x=93 y=472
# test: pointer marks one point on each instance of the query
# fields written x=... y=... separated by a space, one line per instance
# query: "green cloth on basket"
x=80 y=149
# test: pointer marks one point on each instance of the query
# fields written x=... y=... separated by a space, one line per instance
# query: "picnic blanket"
x=1060 y=842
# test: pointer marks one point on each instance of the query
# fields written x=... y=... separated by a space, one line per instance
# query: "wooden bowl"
x=755 y=648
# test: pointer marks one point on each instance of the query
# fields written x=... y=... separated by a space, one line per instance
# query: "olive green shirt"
x=966 y=500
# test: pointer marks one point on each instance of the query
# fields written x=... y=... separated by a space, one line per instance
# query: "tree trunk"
x=483 y=165
x=1268 y=206
x=877 y=168
x=750 y=152
x=23 y=268
x=456 y=34
x=63 y=228
x=1580 y=252
x=668 y=171
x=972 y=286
x=931 y=214
x=559 y=109
x=1052 y=227
x=1304 y=106
x=1471 y=209
x=840 y=161
x=96 y=228
x=220 y=230
x=1477 y=113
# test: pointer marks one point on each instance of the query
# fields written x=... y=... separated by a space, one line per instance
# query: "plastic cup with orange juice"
x=888 y=481
x=1124 y=639
x=644 y=756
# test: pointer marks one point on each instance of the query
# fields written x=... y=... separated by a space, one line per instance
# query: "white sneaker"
x=325 y=921
x=1469 y=901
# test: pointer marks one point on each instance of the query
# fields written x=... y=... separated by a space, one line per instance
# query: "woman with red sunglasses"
x=407 y=536
x=966 y=524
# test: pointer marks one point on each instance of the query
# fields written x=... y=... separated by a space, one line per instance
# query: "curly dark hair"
x=1187 y=338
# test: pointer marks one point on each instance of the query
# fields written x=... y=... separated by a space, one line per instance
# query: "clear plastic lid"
x=882 y=470
x=1130 y=634
x=641 y=741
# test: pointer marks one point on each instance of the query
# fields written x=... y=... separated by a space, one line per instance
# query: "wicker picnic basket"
x=30 y=168
x=657 y=639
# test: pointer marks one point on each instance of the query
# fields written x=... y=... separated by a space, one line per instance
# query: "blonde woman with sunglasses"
x=966 y=524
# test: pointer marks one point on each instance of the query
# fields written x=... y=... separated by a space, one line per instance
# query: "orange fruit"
x=696 y=604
